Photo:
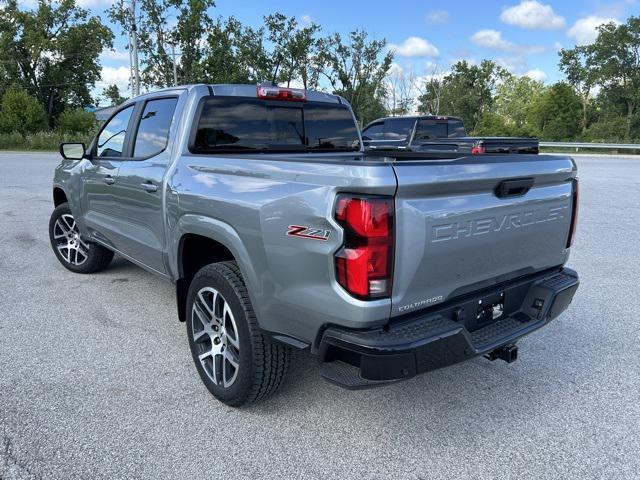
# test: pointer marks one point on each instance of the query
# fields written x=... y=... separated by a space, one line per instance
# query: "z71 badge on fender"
x=308 y=232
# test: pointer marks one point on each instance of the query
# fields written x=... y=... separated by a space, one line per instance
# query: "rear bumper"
x=442 y=337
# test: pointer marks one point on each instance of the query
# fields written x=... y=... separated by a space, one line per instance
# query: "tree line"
x=50 y=63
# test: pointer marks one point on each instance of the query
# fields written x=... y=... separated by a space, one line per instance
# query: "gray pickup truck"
x=438 y=134
x=280 y=233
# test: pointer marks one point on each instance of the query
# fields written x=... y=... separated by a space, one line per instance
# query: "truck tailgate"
x=458 y=230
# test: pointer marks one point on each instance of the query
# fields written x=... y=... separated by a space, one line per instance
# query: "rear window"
x=245 y=124
x=456 y=129
x=398 y=129
x=430 y=128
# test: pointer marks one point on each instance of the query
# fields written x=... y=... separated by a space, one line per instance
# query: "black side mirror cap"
x=72 y=151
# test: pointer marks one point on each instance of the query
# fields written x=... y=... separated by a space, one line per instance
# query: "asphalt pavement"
x=96 y=378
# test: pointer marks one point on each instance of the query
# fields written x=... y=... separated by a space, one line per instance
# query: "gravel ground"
x=96 y=380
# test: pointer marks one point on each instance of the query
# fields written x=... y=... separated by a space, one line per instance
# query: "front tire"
x=236 y=361
x=73 y=252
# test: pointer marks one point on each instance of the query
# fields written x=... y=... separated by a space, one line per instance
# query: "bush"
x=610 y=129
x=19 y=112
x=77 y=121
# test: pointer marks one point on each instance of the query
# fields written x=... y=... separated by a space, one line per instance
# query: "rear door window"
x=374 y=132
x=153 y=130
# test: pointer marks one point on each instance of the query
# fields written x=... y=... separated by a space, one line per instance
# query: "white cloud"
x=88 y=4
x=395 y=69
x=493 y=39
x=533 y=15
x=415 y=47
x=536 y=74
x=115 y=55
x=514 y=64
x=118 y=76
x=93 y=3
x=437 y=16
x=585 y=31
x=305 y=20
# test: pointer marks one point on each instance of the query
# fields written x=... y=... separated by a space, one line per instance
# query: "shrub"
x=610 y=129
x=19 y=112
x=76 y=121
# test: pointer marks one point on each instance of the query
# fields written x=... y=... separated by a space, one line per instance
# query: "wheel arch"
x=200 y=241
x=59 y=196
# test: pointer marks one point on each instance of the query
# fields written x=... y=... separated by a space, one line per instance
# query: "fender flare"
x=220 y=232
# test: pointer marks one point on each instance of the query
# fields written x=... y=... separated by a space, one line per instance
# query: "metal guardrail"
x=603 y=146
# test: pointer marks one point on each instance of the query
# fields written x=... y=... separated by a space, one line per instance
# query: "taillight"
x=478 y=150
x=277 y=93
x=364 y=264
x=574 y=212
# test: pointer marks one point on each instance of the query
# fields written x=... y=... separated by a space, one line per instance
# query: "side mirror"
x=72 y=151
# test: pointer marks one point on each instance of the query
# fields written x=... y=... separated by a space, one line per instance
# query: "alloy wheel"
x=215 y=336
x=66 y=235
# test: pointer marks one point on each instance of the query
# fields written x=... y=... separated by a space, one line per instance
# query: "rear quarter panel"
x=248 y=204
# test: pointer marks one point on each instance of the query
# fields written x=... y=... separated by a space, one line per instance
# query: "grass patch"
x=41 y=141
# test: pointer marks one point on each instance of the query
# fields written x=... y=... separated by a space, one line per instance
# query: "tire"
x=220 y=336
x=73 y=253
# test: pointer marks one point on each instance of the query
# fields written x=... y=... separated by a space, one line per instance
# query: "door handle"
x=149 y=187
x=109 y=180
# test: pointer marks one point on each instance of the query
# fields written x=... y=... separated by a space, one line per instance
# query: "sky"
x=428 y=36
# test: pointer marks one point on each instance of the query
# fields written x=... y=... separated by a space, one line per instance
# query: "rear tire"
x=72 y=251
x=236 y=361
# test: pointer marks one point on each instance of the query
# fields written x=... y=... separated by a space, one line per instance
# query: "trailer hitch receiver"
x=508 y=353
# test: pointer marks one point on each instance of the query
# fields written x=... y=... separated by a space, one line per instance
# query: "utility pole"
x=131 y=81
x=175 y=72
x=134 y=50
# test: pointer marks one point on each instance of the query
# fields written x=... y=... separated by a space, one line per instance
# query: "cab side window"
x=111 y=140
x=153 y=130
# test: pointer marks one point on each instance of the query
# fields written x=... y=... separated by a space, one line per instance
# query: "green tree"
x=52 y=52
x=112 y=95
x=577 y=65
x=294 y=50
x=356 y=69
x=431 y=92
x=616 y=57
x=157 y=31
x=76 y=120
x=235 y=53
x=20 y=112
x=468 y=91
x=558 y=113
x=514 y=102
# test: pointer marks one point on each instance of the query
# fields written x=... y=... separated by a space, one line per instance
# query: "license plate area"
x=482 y=311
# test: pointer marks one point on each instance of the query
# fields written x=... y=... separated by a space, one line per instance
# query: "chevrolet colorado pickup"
x=440 y=134
x=280 y=233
